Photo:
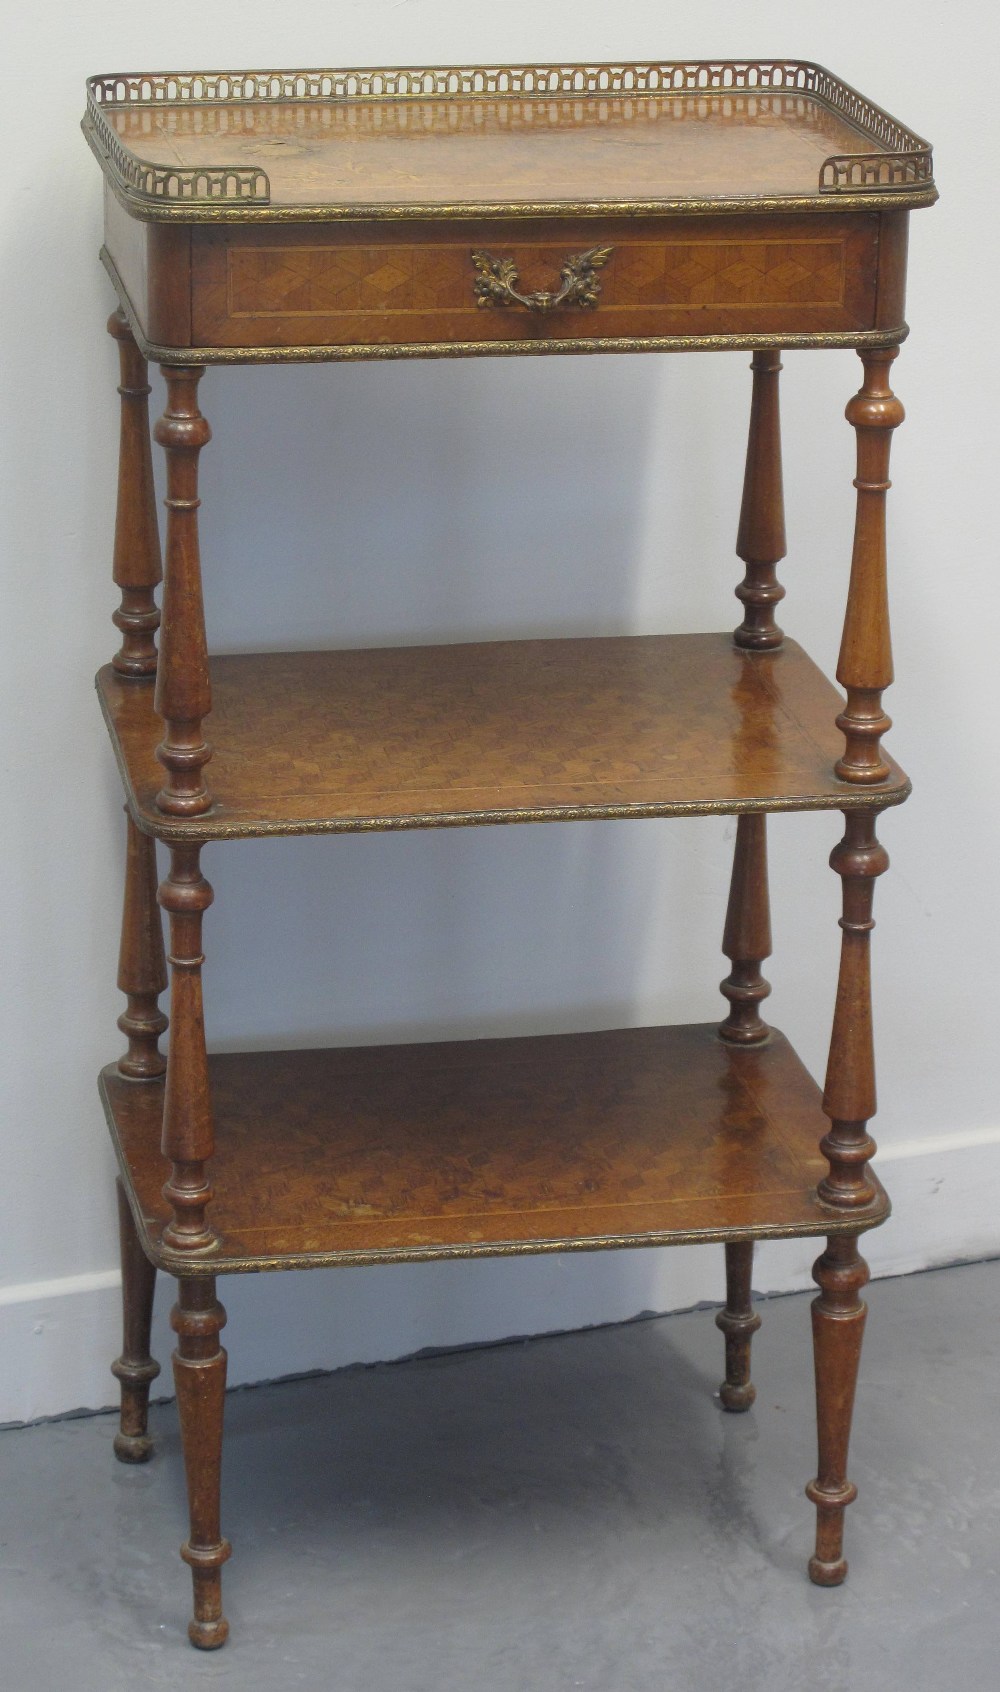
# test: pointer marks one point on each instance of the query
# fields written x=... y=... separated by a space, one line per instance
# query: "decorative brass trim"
x=497 y=278
x=186 y=1263
x=140 y=180
x=162 y=828
x=410 y=82
x=876 y=171
x=243 y=211
x=900 y=169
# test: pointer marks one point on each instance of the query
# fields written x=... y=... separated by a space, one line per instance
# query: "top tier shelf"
x=236 y=146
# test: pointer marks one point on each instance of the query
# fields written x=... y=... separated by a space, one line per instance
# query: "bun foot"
x=208 y=1635
x=133 y=1448
x=737 y=1398
x=827 y=1574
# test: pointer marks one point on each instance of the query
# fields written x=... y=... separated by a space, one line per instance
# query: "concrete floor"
x=559 y=1513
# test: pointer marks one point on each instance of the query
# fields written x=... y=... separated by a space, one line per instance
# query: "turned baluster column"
x=738 y=1321
x=849 y=1101
x=200 y=1382
x=142 y=977
x=142 y=967
x=135 y=1370
x=865 y=666
x=761 y=538
x=183 y=696
x=746 y=940
x=137 y=572
x=188 y=1136
x=849 y=1095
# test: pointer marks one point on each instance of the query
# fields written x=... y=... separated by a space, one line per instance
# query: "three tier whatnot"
x=440 y=212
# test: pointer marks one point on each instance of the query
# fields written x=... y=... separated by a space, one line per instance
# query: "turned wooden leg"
x=849 y=1095
x=746 y=940
x=142 y=967
x=200 y=1381
x=849 y=1101
x=183 y=692
x=865 y=665
x=135 y=1369
x=137 y=571
x=838 y=1317
x=761 y=539
x=739 y=1322
x=188 y=1129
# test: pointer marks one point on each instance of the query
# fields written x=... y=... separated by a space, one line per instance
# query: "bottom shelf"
x=568 y=1142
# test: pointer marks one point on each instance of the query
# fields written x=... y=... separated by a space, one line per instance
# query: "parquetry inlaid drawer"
x=416 y=284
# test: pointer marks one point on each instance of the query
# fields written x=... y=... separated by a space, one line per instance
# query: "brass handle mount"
x=496 y=282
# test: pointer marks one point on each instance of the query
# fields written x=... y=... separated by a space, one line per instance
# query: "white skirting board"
x=58 y=1337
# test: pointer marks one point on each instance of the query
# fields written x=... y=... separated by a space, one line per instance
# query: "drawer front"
x=379 y=285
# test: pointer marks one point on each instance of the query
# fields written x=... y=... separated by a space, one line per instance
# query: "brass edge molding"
x=179 y=1263
x=243 y=212
x=516 y=349
x=171 y=832
x=900 y=169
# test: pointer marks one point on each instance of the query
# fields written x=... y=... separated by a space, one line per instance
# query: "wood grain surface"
x=504 y=731
x=637 y=1136
x=454 y=150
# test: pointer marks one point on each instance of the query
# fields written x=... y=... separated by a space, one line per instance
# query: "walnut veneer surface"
x=502 y=731
x=633 y=1136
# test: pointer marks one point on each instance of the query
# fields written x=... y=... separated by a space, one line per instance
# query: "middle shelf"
x=500 y=731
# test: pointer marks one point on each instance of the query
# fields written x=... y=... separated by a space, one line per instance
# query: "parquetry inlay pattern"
x=494 y=1144
x=324 y=281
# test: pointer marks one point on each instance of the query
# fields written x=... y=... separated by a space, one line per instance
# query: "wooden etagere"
x=271 y=216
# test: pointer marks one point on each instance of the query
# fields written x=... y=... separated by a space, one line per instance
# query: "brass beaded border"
x=902 y=171
x=161 y=827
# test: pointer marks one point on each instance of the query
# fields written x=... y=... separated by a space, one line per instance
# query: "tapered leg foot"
x=200 y=1379
x=838 y=1316
x=135 y=1369
x=739 y=1322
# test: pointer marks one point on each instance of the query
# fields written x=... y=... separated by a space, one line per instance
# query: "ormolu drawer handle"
x=497 y=279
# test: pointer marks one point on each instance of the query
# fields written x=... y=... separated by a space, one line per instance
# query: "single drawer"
x=385 y=285
x=347 y=289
